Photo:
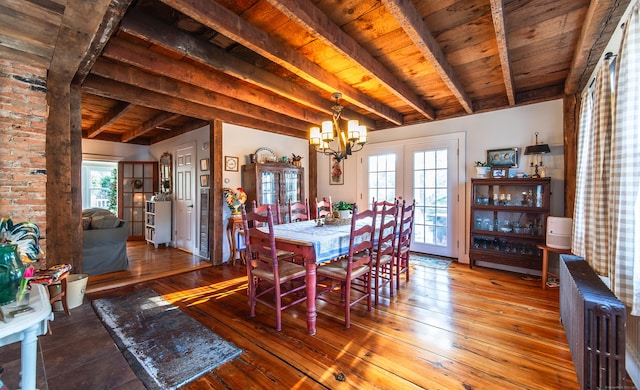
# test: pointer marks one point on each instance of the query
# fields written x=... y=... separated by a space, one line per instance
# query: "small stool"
x=55 y=275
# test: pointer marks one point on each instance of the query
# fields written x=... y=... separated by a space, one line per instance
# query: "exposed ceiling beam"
x=144 y=27
x=148 y=125
x=596 y=33
x=107 y=27
x=217 y=17
x=114 y=90
x=169 y=86
x=407 y=15
x=497 y=14
x=77 y=34
x=320 y=26
x=109 y=118
x=217 y=83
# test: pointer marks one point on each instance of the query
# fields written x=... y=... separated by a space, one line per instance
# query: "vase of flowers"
x=234 y=199
x=482 y=169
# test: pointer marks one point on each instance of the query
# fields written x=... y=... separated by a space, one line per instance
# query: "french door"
x=426 y=170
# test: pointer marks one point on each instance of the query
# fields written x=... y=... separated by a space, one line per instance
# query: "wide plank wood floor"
x=457 y=328
x=446 y=329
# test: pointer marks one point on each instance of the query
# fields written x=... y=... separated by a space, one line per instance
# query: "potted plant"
x=482 y=168
x=342 y=209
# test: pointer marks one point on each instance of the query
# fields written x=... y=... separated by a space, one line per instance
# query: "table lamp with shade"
x=537 y=150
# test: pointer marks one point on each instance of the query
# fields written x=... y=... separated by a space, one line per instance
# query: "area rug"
x=164 y=346
x=427 y=261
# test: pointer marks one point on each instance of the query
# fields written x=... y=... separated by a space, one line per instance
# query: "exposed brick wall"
x=23 y=115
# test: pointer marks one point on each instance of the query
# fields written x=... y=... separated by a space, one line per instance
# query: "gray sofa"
x=104 y=242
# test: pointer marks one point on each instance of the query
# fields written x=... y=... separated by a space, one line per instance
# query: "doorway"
x=429 y=171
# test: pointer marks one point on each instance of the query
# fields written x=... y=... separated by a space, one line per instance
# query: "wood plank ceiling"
x=171 y=66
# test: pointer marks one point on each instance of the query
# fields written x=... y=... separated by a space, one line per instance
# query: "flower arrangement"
x=235 y=199
x=24 y=283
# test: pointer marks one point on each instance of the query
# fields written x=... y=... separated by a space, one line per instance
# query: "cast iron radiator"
x=594 y=322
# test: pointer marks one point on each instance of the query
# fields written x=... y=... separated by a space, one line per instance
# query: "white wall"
x=513 y=127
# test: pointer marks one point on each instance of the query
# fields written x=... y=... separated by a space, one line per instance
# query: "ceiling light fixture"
x=538 y=150
x=349 y=141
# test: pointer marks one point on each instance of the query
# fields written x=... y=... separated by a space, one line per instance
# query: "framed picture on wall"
x=336 y=171
x=231 y=163
x=204 y=164
x=503 y=158
x=204 y=180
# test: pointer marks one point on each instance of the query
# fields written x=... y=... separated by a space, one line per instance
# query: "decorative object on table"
x=24 y=234
x=11 y=271
x=498 y=173
x=204 y=180
x=234 y=199
x=336 y=171
x=537 y=150
x=22 y=296
x=265 y=155
x=342 y=209
x=231 y=163
x=482 y=168
x=350 y=140
x=167 y=349
x=137 y=184
x=503 y=158
x=296 y=160
x=204 y=164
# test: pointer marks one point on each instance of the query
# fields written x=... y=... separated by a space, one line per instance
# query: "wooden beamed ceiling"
x=156 y=69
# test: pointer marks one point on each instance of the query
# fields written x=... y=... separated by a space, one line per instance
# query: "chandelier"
x=349 y=141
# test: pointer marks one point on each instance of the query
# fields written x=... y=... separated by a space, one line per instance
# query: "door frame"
x=459 y=205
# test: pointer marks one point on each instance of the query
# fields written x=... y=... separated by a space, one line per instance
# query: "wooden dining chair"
x=347 y=281
x=299 y=211
x=269 y=277
x=384 y=249
x=262 y=210
x=403 y=245
x=323 y=208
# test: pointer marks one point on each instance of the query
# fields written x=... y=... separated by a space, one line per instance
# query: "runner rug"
x=430 y=262
x=164 y=346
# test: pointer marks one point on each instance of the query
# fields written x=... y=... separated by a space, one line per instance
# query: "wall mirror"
x=165 y=173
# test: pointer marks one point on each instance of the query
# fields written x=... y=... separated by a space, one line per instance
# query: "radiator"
x=594 y=322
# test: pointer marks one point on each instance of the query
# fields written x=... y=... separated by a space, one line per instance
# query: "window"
x=100 y=185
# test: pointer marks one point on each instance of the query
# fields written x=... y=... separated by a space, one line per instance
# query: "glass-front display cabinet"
x=508 y=218
x=267 y=182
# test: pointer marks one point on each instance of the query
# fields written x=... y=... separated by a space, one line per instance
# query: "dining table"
x=316 y=242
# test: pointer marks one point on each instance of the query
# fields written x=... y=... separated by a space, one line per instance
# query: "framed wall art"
x=503 y=158
x=204 y=180
x=231 y=163
x=336 y=171
x=204 y=164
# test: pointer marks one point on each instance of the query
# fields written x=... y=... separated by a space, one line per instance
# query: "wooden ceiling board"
x=344 y=12
x=551 y=28
x=455 y=14
x=526 y=13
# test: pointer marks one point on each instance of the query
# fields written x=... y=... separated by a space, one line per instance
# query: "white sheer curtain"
x=607 y=205
x=624 y=205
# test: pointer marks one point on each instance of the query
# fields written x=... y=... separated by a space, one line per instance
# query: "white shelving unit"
x=158 y=222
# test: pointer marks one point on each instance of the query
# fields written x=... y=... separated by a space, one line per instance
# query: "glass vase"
x=11 y=271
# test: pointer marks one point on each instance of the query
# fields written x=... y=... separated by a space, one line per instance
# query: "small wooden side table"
x=545 y=260
x=233 y=226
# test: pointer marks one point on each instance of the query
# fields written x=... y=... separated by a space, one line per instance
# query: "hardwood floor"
x=446 y=329
x=146 y=263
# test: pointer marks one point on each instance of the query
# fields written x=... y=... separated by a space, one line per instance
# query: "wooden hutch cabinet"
x=508 y=219
x=270 y=181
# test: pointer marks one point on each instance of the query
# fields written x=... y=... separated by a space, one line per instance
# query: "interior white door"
x=185 y=198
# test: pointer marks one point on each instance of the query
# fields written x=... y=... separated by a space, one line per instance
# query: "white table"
x=27 y=328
